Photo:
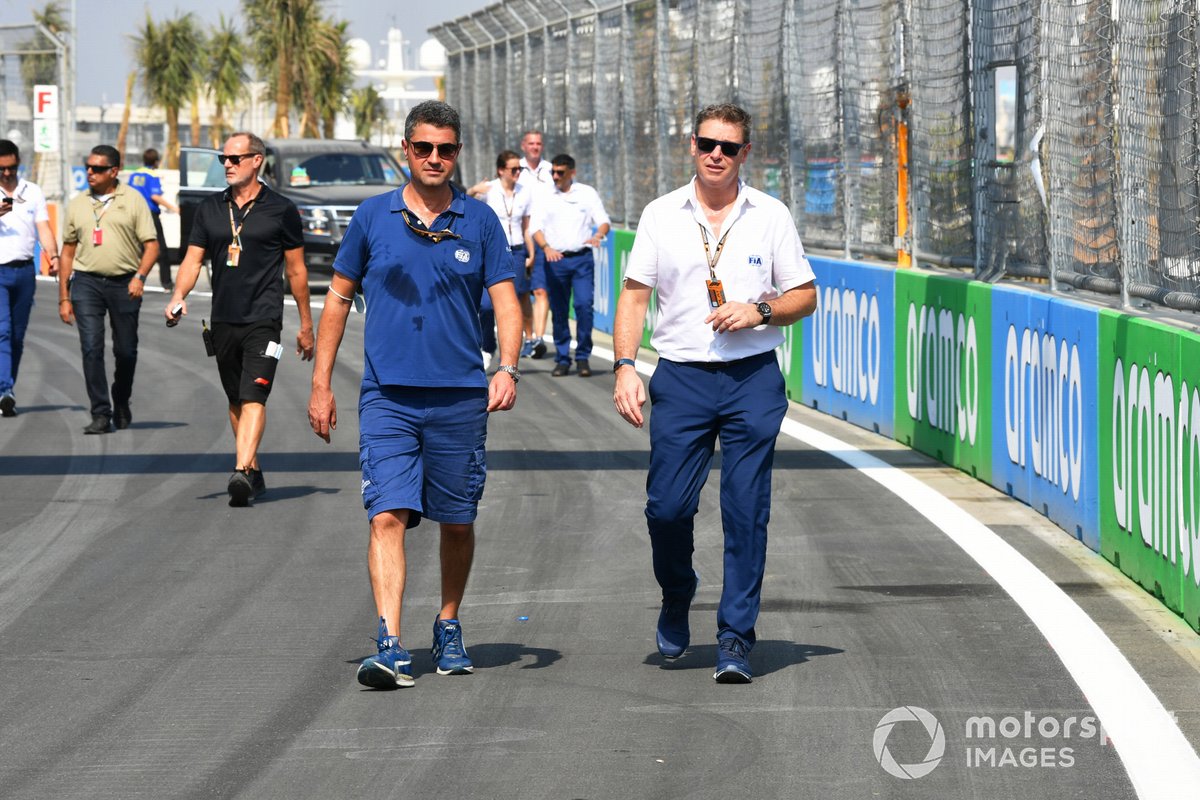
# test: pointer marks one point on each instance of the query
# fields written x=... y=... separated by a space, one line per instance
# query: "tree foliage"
x=42 y=67
x=227 y=75
x=171 y=61
x=366 y=106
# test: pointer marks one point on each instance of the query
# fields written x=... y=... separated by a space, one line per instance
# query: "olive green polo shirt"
x=125 y=223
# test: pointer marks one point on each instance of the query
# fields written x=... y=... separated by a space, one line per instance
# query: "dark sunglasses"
x=434 y=236
x=728 y=149
x=446 y=150
x=9 y=170
x=513 y=170
x=98 y=167
x=235 y=158
x=558 y=172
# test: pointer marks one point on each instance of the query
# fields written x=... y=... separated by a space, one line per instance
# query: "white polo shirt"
x=510 y=210
x=568 y=219
x=541 y=175
x=762 y=259
x=18 y=228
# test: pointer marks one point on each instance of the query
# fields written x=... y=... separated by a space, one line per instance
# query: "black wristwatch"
x=765 y=310
x=624 y=362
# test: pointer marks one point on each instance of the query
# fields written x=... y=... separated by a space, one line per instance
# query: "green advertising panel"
x=943 y=394
x=1150 y=457
x=791 y=361
x=622 y=244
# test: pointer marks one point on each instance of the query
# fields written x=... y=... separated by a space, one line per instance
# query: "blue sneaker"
x=527 y=348
x=390 y=668
x=448 y=651
x=673 y=632
x=732 y=664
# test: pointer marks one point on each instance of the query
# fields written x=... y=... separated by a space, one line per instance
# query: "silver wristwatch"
x=511 y=370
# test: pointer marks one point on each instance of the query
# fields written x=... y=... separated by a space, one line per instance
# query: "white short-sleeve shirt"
x=568 y=219
x=18 y=228
x=510 y=210
x=533 y=177
x=762 y=258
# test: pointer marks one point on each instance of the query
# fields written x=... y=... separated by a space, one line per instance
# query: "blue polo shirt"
x=422 y=326
x=148 y=184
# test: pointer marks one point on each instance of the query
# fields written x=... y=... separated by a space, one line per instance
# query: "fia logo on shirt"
x=462 y=255
x=756 y=261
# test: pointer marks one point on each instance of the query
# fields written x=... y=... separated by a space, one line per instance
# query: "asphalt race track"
x=155 y=642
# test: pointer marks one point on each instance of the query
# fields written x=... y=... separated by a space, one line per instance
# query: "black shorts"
x=247 y=372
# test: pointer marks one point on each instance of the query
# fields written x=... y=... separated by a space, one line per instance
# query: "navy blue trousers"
x=572 y=275
x=93 y=297
x=743 y=406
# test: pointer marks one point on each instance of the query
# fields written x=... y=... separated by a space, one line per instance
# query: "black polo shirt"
x=253 y=290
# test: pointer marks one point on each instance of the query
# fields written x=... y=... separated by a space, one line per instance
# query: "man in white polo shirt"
x=730 y=271
x=535 y=176
x=24 y=221
x=564 y=219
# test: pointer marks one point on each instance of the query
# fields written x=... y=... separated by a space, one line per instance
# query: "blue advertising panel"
x=604 y=307
x=849 y=343
x=1045 y=435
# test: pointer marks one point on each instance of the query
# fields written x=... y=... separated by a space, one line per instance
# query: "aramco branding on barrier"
x=942 y=375
x=1156 y=462
x=846 y=343
x=1043 y=407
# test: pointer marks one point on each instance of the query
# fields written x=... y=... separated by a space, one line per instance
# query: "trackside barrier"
x=1090 y=416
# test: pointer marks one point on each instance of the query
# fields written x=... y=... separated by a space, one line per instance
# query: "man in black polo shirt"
x=251 y=234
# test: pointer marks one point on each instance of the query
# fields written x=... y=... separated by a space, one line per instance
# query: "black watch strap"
x=623 y=362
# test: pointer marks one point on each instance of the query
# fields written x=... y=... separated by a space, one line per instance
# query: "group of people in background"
x=552 y=223
x=725 y=260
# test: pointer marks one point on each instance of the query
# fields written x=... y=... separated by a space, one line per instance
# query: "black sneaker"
x=8 y=405
x=560 y=370
x=122 y=416
x=583 y=369
x=100 y=424
x=241 y=490
x=539 y=348
x=256 y=480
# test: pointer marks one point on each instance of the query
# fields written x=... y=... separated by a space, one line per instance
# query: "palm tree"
x=367 y=108
x=331 y=77
x=123 y=132
x=226 y=75
x=279 y=30
x=43 y=67
x=170 y=59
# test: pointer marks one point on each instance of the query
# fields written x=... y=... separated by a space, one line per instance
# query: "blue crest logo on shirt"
x=462 y=255
x=756 y=261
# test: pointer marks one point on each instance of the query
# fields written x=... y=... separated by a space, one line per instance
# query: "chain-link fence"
x=1004 y=137
x=30 y=56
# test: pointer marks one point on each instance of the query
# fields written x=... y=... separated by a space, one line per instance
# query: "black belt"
x=28 y=262
x=516 y=248
x=567 y=253
x=719 y=366
x=122 y=277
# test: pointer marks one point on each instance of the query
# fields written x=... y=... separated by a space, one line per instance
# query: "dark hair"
x=563 y=160
x=435 y=113
x=8 y=148
x=505 y=157
x=150 y=157
x=254 y=142
x=726 y=112
x=110 y=153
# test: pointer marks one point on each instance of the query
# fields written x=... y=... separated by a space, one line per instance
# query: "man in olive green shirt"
x=109 y=246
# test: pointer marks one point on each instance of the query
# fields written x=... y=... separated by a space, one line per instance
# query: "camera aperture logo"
x=937 y=742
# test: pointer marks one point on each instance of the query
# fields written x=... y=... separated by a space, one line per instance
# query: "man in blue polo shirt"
x=147 y=182
x=421 y=256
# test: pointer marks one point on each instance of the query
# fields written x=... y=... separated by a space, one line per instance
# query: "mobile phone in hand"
x=176 y=313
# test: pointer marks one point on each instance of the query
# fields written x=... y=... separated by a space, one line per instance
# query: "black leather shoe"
x=583 y=368
x=560 y=370
x=100 y=424
x=122 y=416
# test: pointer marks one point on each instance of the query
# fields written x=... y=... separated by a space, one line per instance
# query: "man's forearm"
x=329 y=339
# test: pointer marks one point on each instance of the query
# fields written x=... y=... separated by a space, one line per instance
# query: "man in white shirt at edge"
x=716 y=375
x=563 y=221
x=535 y=176
x=24 y=222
